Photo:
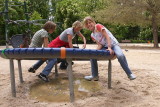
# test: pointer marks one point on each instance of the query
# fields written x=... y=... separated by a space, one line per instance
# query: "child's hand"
x=84 y=46
x=111 y=51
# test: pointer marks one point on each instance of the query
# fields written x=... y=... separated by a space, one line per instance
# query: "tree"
x=15 y=12
x=68 y=11
x=90 y=6
x=41 y=6
x=135 y=12
x=35 y=26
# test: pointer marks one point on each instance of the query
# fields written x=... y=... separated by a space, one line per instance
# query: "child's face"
x=90 y=25
x=78 y=29
x=51 y=31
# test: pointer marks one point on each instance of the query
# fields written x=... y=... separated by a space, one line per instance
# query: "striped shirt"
x=38 y=38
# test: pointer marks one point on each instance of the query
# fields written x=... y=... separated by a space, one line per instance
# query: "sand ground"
x=142 y=92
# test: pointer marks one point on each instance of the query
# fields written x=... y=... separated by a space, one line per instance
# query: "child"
x=64 y=40
x=105 y=41
x=40 y=39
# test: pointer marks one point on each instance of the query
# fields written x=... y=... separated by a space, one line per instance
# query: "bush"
x=138 y=41
x=2 y=42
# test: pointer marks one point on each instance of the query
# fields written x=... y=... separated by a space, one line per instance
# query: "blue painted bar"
x=38 y=53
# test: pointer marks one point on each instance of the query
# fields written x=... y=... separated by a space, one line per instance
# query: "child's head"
x=89 y=22
x=49 y=26
x=77 y=25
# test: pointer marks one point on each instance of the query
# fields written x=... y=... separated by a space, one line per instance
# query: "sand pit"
x=142 y=92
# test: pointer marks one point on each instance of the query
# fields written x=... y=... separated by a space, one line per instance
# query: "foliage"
x=35 y=16
x=1 y=21
x=41 y=6
x=145 y=34
x=13 y=14
x=68 y=11
x=127 y=12
x=90 y=6
x=139 y=41
x=132 y=12
x=2 y=42
x=119 y=16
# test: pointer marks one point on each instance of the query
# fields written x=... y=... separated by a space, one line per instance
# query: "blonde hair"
x=86 y=19
x=49 y=25
x=77 y=24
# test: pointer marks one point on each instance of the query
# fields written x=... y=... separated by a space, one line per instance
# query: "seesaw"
x=64 y=53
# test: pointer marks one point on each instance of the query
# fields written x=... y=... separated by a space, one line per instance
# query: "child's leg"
x=94 y=67
x=122 y=59
x=48 y=68
x=38 y=64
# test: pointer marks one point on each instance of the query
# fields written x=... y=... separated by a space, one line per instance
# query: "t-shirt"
x=69 y=31
x=97 y=35
x=38 y=38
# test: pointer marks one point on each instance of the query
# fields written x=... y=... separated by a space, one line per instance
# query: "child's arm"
x=84 y=40
x=70 y=41
x=104 y=33
x=45 y=42
x=99 y=46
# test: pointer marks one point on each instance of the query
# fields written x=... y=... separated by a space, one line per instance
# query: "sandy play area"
x=142 y=92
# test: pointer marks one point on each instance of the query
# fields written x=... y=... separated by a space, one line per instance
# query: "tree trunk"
x=155 y=30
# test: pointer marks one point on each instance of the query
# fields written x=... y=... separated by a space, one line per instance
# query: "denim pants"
x=38 y=64
x=49 y=66
x=120 y=56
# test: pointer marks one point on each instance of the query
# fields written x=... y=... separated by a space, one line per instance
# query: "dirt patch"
x=142 y=92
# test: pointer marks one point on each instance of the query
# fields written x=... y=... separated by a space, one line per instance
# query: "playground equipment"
x=38 y=53
x=27 y=22
x=65 y=53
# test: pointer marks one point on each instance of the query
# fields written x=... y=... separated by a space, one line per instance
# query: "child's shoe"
x=132 y=77
x=89 y=78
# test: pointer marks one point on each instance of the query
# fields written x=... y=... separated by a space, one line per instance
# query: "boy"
x=40 y=39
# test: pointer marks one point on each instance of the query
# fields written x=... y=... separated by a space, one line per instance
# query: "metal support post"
x=109 y=74
x=20 y=71
x=70 y=76
x=56 y=70
x=12 y=77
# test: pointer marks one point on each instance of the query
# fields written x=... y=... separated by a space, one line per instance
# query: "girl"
x=64 y=40
x=105 y=41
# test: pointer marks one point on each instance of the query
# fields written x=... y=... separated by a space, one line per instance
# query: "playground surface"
x=142 y=92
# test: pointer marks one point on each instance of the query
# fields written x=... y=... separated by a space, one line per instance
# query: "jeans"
x=49 y=66
x=38 y=64
x=120 y=56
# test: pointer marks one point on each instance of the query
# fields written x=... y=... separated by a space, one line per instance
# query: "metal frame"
x=70 y=76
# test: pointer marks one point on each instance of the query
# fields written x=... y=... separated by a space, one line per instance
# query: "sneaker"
x=31 y=70
x=63 y=65
x=43 y=77
x=132 y=77
x=89 y=78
